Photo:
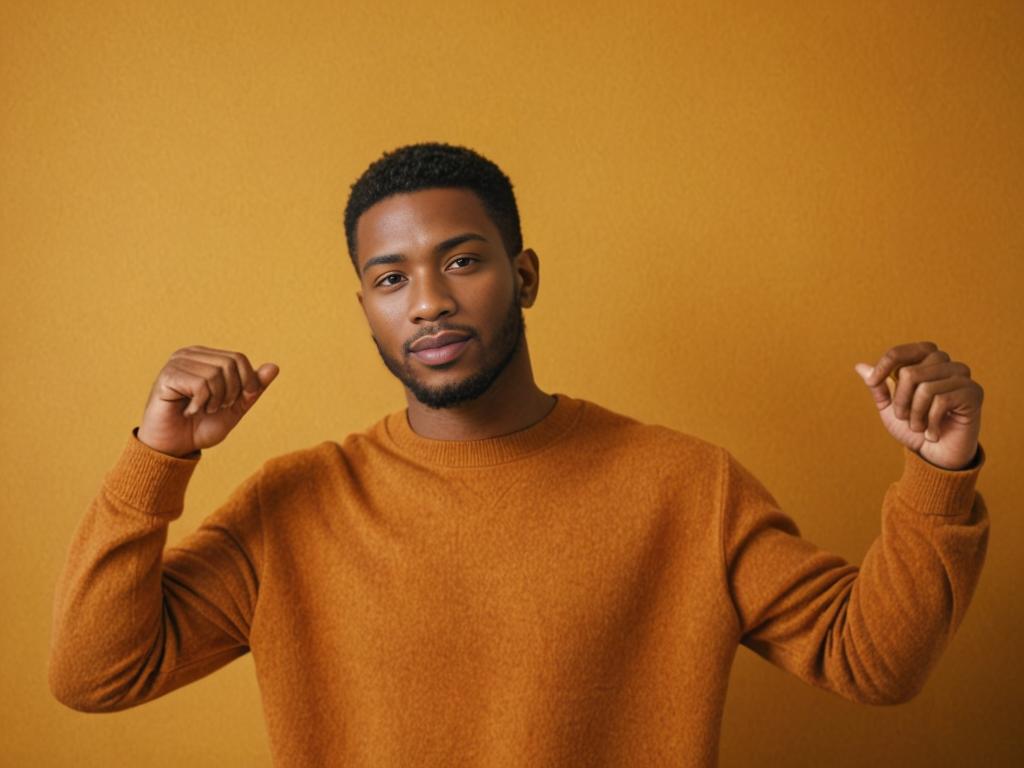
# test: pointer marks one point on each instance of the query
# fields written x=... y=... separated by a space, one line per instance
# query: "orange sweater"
x=570 y=594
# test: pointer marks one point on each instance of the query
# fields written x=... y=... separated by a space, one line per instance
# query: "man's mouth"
x=437 y=340
x=445 y=353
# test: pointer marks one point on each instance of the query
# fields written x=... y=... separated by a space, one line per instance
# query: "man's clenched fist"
x=934 y=406
x=198 y=397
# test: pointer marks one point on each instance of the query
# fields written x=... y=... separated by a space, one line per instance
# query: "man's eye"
x=464 y=258
x=381 y=281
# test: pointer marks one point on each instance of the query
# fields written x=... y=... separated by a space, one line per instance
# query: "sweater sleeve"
x=132 y=620
x=869 y=633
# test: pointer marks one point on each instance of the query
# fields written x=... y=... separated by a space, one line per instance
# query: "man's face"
x=445 y=269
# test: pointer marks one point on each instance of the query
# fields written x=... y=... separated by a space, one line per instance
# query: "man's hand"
x=934 y=408
x=199 y=396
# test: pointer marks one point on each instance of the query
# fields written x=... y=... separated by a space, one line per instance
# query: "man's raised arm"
x=871 y=633
x=131 y=620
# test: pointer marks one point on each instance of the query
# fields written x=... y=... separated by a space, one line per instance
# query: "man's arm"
x=870 y=633
x=133 y=621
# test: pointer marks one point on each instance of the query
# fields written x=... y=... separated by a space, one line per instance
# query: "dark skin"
x=474 y=287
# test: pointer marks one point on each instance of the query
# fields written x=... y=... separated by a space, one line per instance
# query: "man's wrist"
x=972 y=464
x=190 y=455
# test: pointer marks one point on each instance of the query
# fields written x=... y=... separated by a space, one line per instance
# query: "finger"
x=250 y=381
x=880 y=392
x=940 y=406
x=230 y=373
x=210 y=390
x=242 y=380
x=938 y=356
x=911 y=376
x=186 y=383
x=926 y=392
x=903 y=354
x=192 y=386
x=950 y=405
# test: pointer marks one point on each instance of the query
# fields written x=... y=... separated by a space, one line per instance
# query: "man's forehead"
x=418 y=219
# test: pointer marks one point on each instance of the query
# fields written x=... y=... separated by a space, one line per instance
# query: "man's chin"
x=451 y=394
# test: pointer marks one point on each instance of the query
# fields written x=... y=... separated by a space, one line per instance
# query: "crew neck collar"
x=489 y=450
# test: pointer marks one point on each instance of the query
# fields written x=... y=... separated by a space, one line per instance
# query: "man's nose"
x=431 y=298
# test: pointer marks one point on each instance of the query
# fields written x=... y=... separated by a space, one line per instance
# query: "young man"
x=497 y=575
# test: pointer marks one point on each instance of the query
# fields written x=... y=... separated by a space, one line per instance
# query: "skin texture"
x=473 y=287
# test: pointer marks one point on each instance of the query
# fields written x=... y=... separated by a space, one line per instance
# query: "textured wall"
x=733 y=203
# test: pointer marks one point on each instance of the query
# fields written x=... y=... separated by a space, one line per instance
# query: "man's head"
x=431 y=165
x=433 y=233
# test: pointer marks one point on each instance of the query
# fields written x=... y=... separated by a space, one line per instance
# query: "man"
x=497 y=575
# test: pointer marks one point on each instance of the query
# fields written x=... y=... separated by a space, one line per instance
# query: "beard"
x=507 y=342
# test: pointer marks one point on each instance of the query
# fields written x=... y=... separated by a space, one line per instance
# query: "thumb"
x=266 y=373
x=880 y=391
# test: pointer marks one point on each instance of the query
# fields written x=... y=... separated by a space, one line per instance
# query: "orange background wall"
x=733 y=203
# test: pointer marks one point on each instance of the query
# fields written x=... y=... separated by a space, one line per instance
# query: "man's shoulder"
x=299 y=459
x=306 y=462
x=622 y=432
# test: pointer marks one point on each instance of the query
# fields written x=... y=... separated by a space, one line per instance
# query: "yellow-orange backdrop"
x=733 y=203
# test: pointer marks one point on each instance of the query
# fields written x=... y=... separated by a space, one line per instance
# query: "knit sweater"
x=572 y=593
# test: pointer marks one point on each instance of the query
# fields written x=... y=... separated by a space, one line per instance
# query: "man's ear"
x=527 y=274
x=359 y=295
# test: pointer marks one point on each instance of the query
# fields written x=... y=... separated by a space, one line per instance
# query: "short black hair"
x=429 y=165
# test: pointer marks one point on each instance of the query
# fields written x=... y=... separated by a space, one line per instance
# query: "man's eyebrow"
x=444 y=245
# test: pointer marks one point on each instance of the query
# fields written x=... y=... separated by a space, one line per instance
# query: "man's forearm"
x=100 y=647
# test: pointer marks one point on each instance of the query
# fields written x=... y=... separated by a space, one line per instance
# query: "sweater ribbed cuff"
x=150 y=481
x=932 y=490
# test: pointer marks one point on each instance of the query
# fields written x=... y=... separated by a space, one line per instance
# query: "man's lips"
x=439 y=340
x=443 y=354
